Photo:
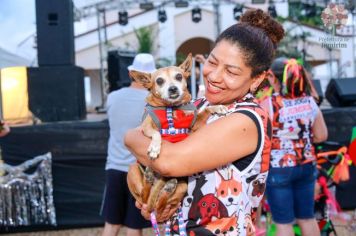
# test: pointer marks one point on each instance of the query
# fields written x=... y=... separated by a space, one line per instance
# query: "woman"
x=227 y=160
x=297 y=123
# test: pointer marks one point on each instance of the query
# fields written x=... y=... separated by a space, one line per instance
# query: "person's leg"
x=280 y=199
x=133 y=232
x=114 y=204
x=309 y=227
x=284 y=230
x=111 y=230
x=304 y=200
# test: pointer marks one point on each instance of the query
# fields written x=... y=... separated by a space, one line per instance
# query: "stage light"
x=180 y=4
x=123 y=18
x=310 y=10
x=146 y=5
x=272 y=11
x=196 y=15
x=238 y=11
x=14 y=95
x=162 y=15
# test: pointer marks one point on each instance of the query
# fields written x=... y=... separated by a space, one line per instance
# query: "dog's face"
x=168 y=84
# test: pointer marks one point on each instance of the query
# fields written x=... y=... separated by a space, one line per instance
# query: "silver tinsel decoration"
x=26 y=197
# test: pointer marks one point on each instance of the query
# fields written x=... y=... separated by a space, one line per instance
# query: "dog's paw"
x=170 y=185
x=153 y=150
x=218 y=109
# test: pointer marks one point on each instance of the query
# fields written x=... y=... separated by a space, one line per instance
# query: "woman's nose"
x=215 y=75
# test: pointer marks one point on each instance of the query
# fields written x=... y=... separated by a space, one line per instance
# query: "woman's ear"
x=256 y=81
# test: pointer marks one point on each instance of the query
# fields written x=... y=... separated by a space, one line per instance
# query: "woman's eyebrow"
x=227 y=65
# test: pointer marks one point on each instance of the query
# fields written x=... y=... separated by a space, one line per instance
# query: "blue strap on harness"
x=171 y=130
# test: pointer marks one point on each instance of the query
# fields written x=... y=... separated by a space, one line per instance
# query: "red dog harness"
x=173 y=128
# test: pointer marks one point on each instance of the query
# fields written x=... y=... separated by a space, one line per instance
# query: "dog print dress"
x=292 y=130
x=223 y=201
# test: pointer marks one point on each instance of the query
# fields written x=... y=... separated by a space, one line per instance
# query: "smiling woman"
x=234 y=147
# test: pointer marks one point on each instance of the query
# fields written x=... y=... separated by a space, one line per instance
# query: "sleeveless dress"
x=223 y=201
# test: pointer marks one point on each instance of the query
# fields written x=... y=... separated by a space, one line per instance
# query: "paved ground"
x=342 y=227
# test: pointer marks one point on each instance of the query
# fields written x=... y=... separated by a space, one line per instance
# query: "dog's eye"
x=179 y=77
x=159 y=81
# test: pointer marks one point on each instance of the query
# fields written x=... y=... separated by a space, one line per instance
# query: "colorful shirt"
x=293 y=120
x=223 y=201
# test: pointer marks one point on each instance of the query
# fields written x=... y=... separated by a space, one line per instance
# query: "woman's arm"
x=221 y=142
x=320 y=130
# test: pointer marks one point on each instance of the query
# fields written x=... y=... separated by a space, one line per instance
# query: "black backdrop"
x=79 y=152
x=78 y=159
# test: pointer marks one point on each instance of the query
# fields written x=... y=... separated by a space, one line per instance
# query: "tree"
x=145 y=37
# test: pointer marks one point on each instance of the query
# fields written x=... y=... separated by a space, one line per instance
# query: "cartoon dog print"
x=248 y=226
x=224 y=227
x=290 y=130
x=288 y=160
x=206 y=208
x=228 y=191
x=256 y=188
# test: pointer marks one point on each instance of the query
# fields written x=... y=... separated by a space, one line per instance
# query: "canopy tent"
x=8 y=59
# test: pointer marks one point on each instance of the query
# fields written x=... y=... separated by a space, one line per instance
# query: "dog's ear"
x=142 y=78
x=187 y=65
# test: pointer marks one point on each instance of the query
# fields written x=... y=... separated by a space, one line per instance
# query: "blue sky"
x=17 y=22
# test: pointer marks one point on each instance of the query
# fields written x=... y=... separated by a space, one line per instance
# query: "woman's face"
x=226 y=75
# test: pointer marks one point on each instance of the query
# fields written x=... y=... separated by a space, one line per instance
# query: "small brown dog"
x=169 y=116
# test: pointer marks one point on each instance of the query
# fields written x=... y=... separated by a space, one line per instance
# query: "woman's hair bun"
x=264 y=21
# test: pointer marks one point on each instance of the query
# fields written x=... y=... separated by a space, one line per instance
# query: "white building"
x=180 y=35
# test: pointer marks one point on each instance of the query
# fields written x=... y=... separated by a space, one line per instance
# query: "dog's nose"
x=230 y=199
x=173 y=89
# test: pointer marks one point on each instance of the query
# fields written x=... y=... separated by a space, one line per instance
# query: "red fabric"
x=352 y=151
x=180 y=120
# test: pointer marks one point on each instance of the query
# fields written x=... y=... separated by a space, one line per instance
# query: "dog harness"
x=175 y=122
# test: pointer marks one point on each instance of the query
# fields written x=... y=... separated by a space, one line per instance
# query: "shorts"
x=118 y=206
x=290 y=193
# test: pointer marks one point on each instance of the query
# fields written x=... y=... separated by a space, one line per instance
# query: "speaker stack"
x=341 y=92
x=56 y=87
x=118 y=74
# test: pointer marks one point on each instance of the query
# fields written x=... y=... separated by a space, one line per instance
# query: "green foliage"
x=296 y=13
x=163 y=62
x=288 y=47
x=145 y=37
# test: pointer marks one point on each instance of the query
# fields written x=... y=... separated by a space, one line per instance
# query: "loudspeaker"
x=118 y=74
x=57 y=93
x=341 y=92
x=319 y=90
x=55 y=32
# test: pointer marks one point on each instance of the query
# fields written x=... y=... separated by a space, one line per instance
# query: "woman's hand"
x=5 y=129
x=166 y=214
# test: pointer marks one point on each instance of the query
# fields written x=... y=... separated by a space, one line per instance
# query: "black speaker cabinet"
x=55 y=32
x=341 y=92
x=319 y=90
x=57 y=93
x=118 y=75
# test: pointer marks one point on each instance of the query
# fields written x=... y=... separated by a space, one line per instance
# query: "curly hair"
x=257 y=35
